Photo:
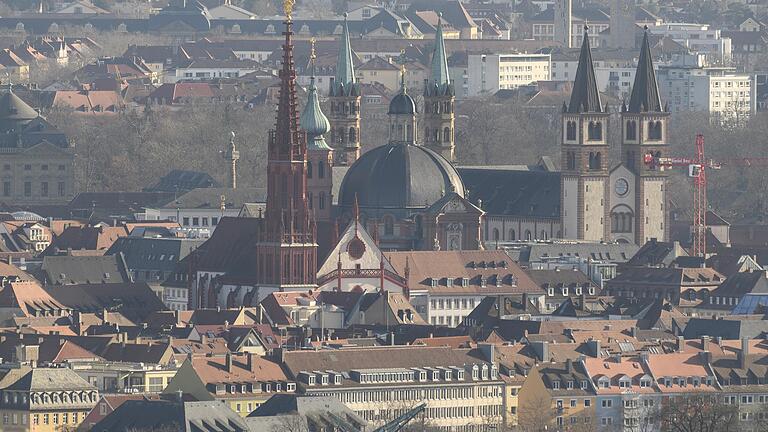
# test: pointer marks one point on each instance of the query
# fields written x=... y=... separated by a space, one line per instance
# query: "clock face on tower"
x=621 y=187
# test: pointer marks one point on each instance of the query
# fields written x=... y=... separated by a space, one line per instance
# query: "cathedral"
x=606 y=201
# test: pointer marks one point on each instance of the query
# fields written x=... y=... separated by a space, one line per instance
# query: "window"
x=587 y=403
x=44 y=167
x=62 y=189
x=595 y=131
x=195 y=221
x=27 y=189
x=606 y=403
x=44 y=189
x=186 y=221
x=631 y=130
x=27 y=167
x=205 y=221
x=6 y=188
x=570 y=131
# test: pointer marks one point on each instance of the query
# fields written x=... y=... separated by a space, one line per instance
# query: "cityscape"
x=384 y=215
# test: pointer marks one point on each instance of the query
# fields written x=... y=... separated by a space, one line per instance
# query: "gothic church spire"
x=585 y=96
x=439 y=77
x=345 y=67
x=645 y=90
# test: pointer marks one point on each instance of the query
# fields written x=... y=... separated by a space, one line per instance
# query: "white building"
x=698 y=38
x=489 y=73
x=205 y=69
x=688 y=85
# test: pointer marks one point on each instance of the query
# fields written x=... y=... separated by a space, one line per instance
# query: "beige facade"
x=43 y=174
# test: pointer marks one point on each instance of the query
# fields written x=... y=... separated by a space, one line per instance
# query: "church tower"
x=319 y=154
x=344 y=95
x=644 y=131
x=584 y=157
x=402 y=116
x=287 y=251
x=439 y=102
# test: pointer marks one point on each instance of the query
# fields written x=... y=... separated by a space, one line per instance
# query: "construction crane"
x=402 y=420
x=697 y=170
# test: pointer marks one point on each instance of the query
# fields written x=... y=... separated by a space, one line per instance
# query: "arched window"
x=341 y=136
x=399 y=132
x=571 y=160
x=321 y=200
x=321 y=169
x=512 y=235
x=654 y=130
x=310 y=201
x=389 y=225
x=631 y=130
x=543 y=235
x=528 y=235
x=446 y=134
x=570 y=131
x=427 y=136
x=309 y=169
x=495 y=234
x=409 y=130
x=352 y=135
x=595 y=131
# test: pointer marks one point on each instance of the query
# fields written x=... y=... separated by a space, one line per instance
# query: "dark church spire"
x=585 y=97
x=645 y=90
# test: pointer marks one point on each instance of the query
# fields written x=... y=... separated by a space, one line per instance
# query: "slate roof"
x=314 y=409
x=616 y=253
x=735 y=327
x=206 y=416
x=232 y=247
x=739 y=284
x=656 y=253
x=513 y=192
x=44 y=379
x=67 y=270
x=585 y=96
x=90 y=238
x=645 y=90
x=182 y=180
x=210 y=198
x=146 y=253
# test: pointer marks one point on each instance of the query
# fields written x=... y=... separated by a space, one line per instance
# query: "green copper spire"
x=439 y=69
x=312 y=119
x=345 y=68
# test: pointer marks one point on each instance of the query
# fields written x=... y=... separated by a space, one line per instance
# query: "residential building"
x=689 y=85
x=698 y=38
x=445 y=286
x=489 y=73
x=205 y=69
x=45 y=400
x=461 y=390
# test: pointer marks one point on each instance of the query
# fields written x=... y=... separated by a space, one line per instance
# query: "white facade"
x=488 y=73
x=176 y=298
x=687 y=85
x=698 y=38
x=206 y=73
x=195 y=222
x=612 y=78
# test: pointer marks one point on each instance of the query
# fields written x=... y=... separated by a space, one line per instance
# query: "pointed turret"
x=439 y=81
x=585 y=96
x=344 y=82
x=645 y=90
x=344 y=96
x=312 y=120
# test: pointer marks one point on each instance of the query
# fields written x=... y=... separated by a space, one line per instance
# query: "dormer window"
x=578 y=291
x=464 y=282
x=433 y=282
x=435 y=375
x=475 y=372
x=569 y=385
x=551 y=292
x=311 y=380
x=556 y=385
x=422 y=375
x=337 y=379
x=584 y=384
x=591 y=291
x=565 y=291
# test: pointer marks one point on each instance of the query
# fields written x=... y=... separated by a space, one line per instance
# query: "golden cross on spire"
x=312 y=54
x=288 y=8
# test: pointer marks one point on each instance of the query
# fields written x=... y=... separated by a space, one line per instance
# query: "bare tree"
x=698 y=413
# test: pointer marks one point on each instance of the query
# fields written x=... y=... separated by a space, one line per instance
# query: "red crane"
x=697 y=170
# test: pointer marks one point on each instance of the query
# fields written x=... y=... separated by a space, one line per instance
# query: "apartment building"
x=698 y=38
x=461 y=390
x=687 y=84
x=489 y=73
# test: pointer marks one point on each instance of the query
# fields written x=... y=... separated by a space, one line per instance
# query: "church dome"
x=399 y=176
x=402 y=104
x=312 y=118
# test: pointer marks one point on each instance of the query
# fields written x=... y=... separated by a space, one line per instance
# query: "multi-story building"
x=445 y=286
x=125 y=377
x=37 y=163
x=44 y=400
x=461 y=392
x=489 y=73
x=560 y=395
x=698 y=38
x=689 y=85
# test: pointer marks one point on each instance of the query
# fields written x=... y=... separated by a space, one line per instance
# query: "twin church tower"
x=625 y=201
x=344 y=97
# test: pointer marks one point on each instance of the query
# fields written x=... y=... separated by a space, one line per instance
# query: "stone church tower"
x=344 y=97
x=319 y=154
x=644 y=131
x=439 y=102
x=286 y=254
x=584 y=157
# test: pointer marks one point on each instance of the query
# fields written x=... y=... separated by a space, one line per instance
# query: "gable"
x=371 y=254
x=45 y=148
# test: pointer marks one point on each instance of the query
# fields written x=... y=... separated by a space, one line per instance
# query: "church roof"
x=399 y=176
x=645 y=90
x=585 y=96
x=402 y=103
x=313 y=121
x=345 y=81
x=439 y=68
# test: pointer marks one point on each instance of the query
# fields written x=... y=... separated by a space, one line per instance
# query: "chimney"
x=644 y=357
x=249 y=359
x=743 y=353
x=633 y=332
x=176 y=317
x=541 y=348
x=594 y=348
x=680 y=344
x=706 y=357
x=705 y=343
x=228 y=362
x=488 y=350
x=719 y=340
x=568 y=365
